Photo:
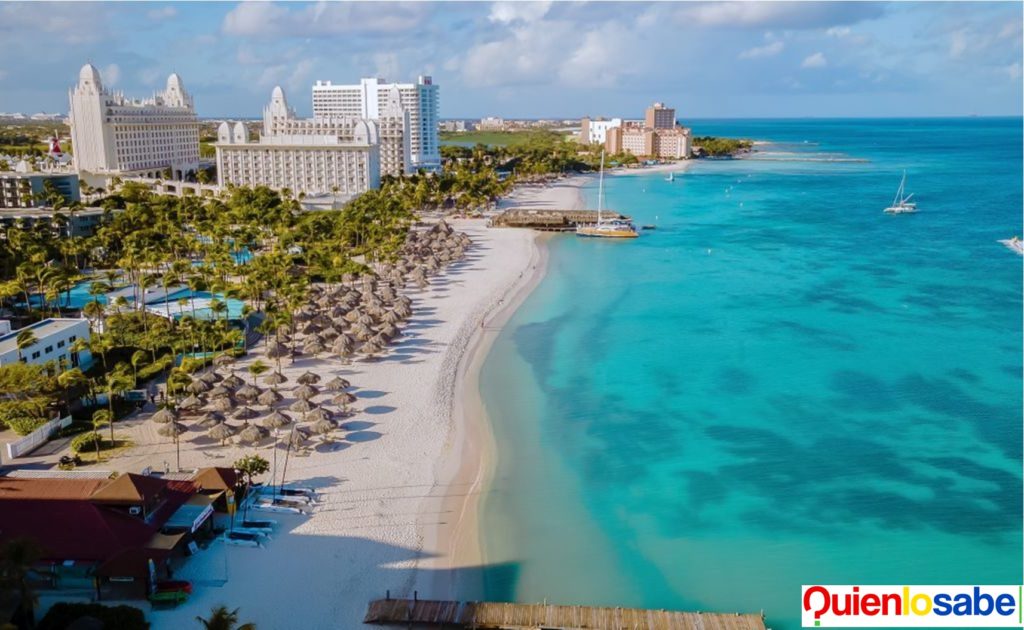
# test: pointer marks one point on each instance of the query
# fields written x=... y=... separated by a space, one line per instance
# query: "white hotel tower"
x=338 y=156
x=369 y=99
x=115 y=135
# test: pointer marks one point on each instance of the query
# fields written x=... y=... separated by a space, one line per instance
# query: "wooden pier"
x=550 y=220
x=413 y=613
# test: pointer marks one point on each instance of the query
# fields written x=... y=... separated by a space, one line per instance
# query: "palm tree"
x=100 y=419
x=223 y=619
x=116 y=383
x=70 y=381
x=256 y=368
x=138 y=357
x=25 y=339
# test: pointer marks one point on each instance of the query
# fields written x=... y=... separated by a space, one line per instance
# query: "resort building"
x=370 y=99
x=29 y=190
x=658 y=136
x=658 y=116
x=595 y=131
x=113 y=538
x=338 y=156
x=53 y=341
x=114 y=135
x=80 y=223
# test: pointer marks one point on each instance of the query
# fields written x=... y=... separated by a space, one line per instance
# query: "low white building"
x=596 y=131
x=338 y=156
x=115 y=135
x=54 y=338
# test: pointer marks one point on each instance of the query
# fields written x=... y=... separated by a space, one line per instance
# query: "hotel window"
x=35 y=355
x=48 y=349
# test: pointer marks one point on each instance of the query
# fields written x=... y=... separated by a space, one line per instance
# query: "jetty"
x=550 y=220
x=503 y=616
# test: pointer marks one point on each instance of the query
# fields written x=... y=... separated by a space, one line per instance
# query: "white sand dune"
x=395 y=513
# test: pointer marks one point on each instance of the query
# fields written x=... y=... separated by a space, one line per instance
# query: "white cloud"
x=386 y=65
x=838 y=31
x=768 y=50
x=1013 y=71
x=787 y=15
x=162 y=13
x=323 y=19
x=817 y=60
x=957 y=44
x=508 y=12
x=293 y=77
x=111 y=74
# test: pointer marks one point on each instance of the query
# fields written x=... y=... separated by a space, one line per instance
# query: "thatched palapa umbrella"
x=269 y=397
x=297 y=437
x=220 y=391
x=302 y=406
x=172 y=429
x=233 y=382
x=211 y=377
x=344 y=399
x=276 y=420
x=248 y=392
x=221 y=431
x=275 y=378
x=224 y=403
x=250 y=434
x=244 y=413
x=318 y=414
x=165 y=416
x=191 y=403
x=337 y=384
x=223 y=359
x=306 y=391
x=198 y=386
x=323 y=427
x=309 y=378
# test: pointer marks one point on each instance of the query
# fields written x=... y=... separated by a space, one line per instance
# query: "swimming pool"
x=196 y=304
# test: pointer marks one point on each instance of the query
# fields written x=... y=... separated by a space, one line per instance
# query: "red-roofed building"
x=115 y=536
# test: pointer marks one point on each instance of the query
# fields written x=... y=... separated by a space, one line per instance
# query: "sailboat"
x=606 y=228
x=671 y=177
x=901 y=204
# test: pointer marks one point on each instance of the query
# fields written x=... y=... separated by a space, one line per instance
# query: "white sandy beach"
x=398 y=508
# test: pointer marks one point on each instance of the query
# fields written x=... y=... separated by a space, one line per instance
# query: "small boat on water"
x=606 y=228
x=648 y=227
x=901 y=204
x=671 y=177
x=1015 y=244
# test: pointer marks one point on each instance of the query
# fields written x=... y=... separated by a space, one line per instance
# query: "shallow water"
x=779 y=386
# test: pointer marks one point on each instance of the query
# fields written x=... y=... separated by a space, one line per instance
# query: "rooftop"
x=42 y=330
x=52 y=489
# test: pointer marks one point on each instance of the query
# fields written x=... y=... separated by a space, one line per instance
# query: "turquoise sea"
x=779 y=386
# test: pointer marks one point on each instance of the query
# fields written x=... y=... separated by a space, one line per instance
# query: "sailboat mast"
x=899 y=193
x=600 y=189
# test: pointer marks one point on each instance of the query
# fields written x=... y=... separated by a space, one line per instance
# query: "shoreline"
x=474 y=464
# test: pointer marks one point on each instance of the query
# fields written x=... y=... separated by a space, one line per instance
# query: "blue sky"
x=535 y=59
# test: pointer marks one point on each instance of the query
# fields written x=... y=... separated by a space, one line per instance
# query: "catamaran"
x=606 y=228
x=902 y=204
x=671 y=177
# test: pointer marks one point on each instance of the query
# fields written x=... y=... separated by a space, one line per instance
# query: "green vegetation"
x=711 y=146
x=251 y=466
x=500 y=138
x=63 y=615
x=30 y=138
x=223 y=619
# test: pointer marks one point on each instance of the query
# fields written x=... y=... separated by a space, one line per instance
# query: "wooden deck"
x=550 y=220
x=451 y=614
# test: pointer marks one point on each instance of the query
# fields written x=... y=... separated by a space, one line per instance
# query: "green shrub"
x=76 y=427
x=86 y=441
x=24 y=426
x=62 y=614
x=153 y=369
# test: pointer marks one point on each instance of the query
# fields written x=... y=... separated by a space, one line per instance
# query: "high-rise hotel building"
x=338 y=156
x=657 y=136
x=370 y=98
x=114 y=135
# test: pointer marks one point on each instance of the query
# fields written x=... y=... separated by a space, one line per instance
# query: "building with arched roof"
x=112 y=134
x=338 y=156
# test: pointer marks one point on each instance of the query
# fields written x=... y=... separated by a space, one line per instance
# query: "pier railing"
x=494 y=615
x=550 y=220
